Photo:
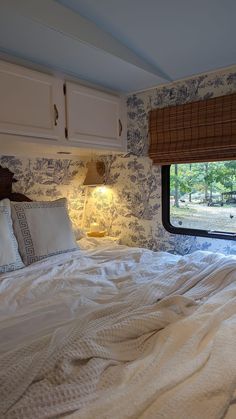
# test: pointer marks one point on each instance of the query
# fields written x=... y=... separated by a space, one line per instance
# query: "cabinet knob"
x=56 y=114
x=120 y=128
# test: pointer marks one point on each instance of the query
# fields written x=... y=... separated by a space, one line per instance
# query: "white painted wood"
x=14 y=145
x=27 y=115
x=93 y=117
x=65 y=21
x=27 y=103
x=123 y=119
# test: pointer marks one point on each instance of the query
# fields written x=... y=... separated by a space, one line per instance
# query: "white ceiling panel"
x=181 y=37
x=40 y=44
x=123 y=45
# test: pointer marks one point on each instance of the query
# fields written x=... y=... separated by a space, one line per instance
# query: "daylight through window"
x=202 y=196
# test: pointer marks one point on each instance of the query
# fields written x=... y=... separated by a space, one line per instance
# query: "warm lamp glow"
x=102 y=193
x=95 y=177
x=102 y=189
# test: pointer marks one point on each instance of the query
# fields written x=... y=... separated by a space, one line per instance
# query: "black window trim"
x=180 y=230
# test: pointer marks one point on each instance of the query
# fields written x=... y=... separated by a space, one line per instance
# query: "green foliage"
x=207 y=178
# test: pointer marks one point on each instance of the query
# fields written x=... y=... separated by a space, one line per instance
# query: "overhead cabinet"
x=31 y=103
x=93 y=117
x=44 y=107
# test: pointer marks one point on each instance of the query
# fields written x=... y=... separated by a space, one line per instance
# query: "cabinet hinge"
x=66 y=132
x=64 y=88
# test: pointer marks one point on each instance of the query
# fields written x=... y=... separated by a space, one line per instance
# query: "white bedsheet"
x=119 y=332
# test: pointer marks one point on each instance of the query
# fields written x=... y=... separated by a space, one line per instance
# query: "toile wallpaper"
x=196 y=88
x=49 y=179
x=130 y=205
x=133 y=210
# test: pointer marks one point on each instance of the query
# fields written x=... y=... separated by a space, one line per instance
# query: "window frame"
x=165 y=175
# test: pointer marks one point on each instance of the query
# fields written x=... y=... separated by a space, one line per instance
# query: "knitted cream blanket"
x=119 y=333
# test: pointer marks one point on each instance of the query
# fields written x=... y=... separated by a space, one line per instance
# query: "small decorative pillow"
x=9 y=256
x=42 y=229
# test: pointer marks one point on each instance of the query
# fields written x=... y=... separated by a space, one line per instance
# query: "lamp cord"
x=85 y=203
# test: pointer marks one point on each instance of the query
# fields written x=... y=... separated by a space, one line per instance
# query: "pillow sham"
x=10 y=259
x=42 y=229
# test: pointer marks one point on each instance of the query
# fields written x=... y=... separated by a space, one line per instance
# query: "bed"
x=118 y=332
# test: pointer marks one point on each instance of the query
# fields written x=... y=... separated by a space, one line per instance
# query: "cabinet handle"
x=56 y=115
x=120 y=128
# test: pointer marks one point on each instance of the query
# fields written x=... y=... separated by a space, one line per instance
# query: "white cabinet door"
x=93 y=118
x=31 y=103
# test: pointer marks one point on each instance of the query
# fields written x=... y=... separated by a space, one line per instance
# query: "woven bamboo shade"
x=194 y=132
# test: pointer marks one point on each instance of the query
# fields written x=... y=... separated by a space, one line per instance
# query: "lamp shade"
x=95 y=173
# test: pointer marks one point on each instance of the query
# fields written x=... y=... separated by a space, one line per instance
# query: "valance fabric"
x=194 y=132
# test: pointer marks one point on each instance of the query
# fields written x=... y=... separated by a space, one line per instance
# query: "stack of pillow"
x=31 y=231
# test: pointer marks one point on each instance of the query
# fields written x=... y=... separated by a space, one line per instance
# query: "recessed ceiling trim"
x=63 y=20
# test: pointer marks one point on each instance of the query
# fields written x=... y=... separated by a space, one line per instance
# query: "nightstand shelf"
x=107 y=239
x=89 y=243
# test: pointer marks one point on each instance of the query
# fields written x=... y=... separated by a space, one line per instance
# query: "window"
x=200 y=199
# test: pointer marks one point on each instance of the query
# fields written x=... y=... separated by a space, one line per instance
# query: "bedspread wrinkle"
x=119 y=333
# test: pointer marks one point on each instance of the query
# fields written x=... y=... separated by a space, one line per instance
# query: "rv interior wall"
x=131 y=206
x=49 y=179
x=196 y=88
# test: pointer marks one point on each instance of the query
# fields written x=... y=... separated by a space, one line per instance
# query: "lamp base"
x=96 y=233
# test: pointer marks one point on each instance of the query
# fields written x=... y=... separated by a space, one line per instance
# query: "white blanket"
x=119 y=333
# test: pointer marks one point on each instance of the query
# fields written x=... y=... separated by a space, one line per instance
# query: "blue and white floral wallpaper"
x=49 y=179
x=130 y=206
x=135 y=209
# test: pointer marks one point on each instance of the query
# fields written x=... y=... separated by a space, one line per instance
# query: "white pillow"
x=42 y=229
x=9 y=256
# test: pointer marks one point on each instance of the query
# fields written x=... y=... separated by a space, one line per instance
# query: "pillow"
x=42 y=229
x=9 y=256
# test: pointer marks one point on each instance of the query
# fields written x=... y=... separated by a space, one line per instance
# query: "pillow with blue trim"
x=10 y=259
x=42 y=229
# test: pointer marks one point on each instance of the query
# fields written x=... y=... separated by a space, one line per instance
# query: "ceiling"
x=123 y=45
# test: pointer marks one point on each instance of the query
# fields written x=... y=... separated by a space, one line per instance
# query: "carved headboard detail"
x=6 y=181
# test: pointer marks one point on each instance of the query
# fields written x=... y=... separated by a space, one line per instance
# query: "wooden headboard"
x=6 y=181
